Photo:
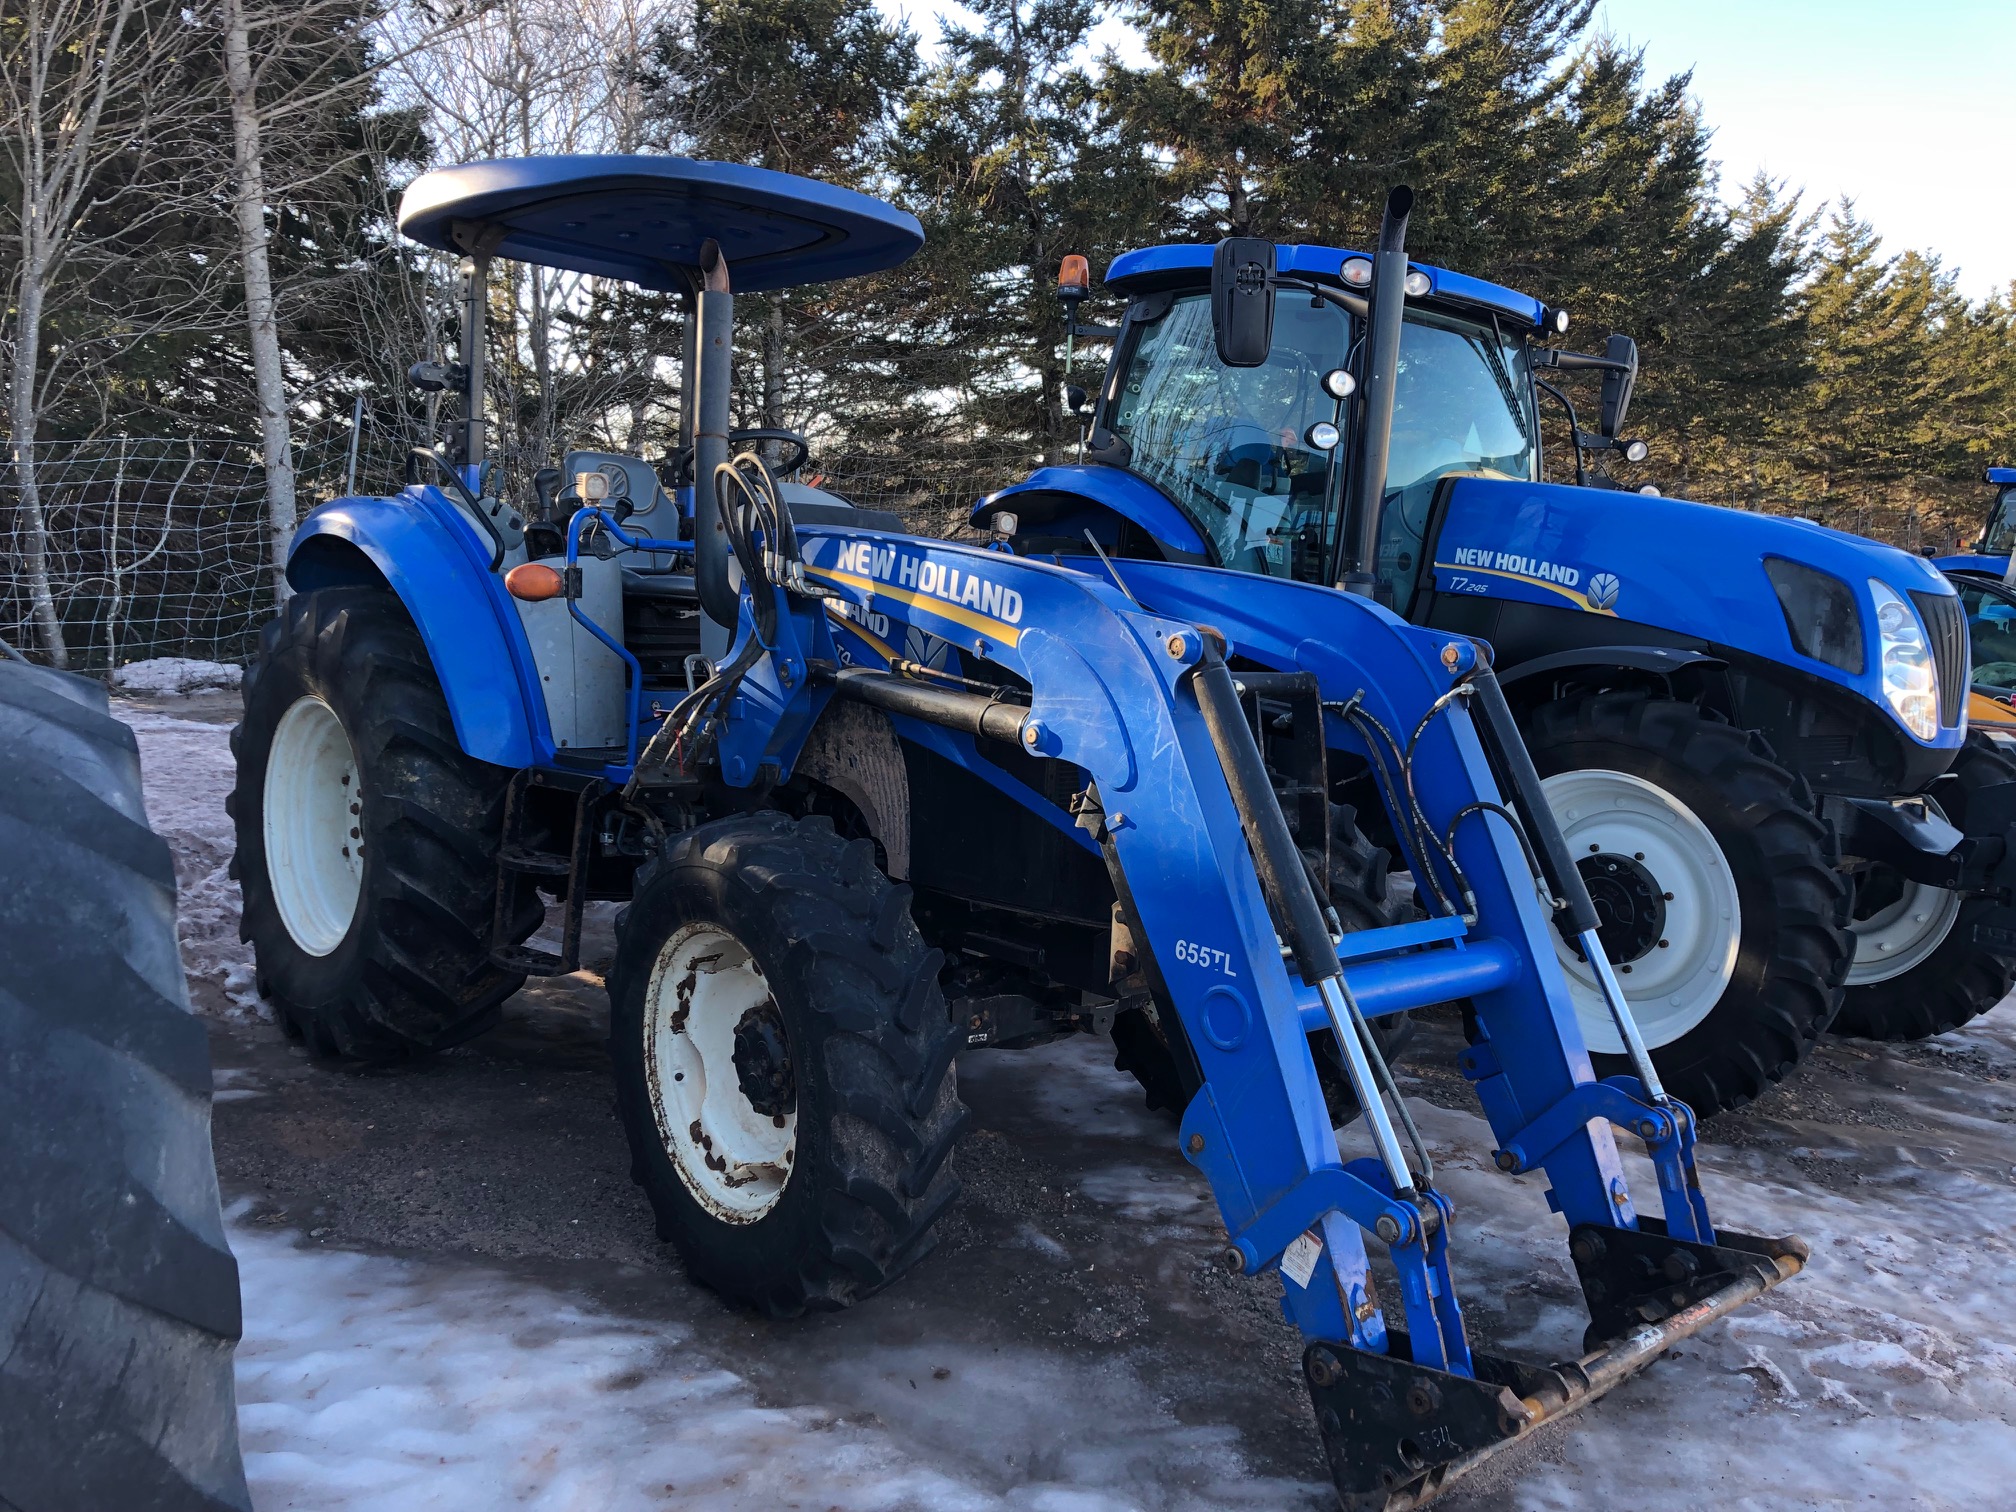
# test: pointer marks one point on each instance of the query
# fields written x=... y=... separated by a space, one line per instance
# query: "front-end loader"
x=1752 y=728
x=875 y=801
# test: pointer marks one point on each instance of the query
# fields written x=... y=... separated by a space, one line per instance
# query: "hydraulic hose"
x=1577 y=918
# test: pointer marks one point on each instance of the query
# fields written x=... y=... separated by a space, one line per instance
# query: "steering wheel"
x=742 y=440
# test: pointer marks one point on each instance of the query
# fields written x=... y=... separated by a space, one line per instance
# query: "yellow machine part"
x=1984 y=712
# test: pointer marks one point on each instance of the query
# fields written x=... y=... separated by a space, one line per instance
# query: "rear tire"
x=1947 y=983
x=118 y=1293
x=808 y=1168
x=1693 y=796
x=381 y=952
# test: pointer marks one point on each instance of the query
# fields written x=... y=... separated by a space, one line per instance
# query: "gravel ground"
x=417 y=1240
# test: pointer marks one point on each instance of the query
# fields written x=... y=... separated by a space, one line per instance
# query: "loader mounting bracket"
x=1632 y=1277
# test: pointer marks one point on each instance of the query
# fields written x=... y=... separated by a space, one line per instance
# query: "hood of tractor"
x=1785 y=590
x=1782 y=590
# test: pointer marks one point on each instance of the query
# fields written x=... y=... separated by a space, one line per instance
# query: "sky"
x=1907 y=108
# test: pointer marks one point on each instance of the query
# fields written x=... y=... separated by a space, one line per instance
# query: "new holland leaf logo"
x=1603 y=590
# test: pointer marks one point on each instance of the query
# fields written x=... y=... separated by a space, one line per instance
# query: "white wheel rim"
x=313 y=824
x=1671 y=987
x=733 y=1158
x=1893 y=940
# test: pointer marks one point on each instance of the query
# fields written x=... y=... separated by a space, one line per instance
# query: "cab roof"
x=2000 y=475
x=1179 y=265
x=643 y=219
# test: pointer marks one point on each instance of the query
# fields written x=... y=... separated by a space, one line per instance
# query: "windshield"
x=1991 y=633
x=1227 y=444
x=2000 y=535
x=1462 y=405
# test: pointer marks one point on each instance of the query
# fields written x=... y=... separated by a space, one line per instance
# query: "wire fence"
x=159 y=547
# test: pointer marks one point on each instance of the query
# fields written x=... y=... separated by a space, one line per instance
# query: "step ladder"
x=516 y=858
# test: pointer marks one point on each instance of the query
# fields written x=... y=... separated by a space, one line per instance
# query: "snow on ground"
x=186 y=773
x=369 y=1382
x=1884 y=1375
x=175 y=674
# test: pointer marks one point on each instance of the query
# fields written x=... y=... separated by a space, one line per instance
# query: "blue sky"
x=1906 y=106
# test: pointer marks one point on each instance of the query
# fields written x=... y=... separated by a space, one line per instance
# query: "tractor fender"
x=1661 y=661
x=1055 y=495
x=1986 y=566
x=853 y=751
x=425 y=552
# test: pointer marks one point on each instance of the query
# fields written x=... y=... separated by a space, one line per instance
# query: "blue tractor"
x=1990 y=556
x=1752 y=728
x=874 y=801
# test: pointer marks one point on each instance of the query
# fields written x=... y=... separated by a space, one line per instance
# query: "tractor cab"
x=1998 y=534
x=1992 y=547
x=1373 y=424
x=1252 y=455
x=701 y=232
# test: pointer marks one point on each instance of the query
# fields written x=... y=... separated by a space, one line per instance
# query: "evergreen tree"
x=800 y=86
x=1010 y=161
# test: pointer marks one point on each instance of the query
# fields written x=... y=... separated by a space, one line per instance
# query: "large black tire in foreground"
x=371 y=909
x=118 y=1293
x=1937 y=978
x=1723 y=911
x=783 y=1061
x=1361 y=894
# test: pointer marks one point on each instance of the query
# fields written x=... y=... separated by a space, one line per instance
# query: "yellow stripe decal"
x=854 y=627
x=1520 y=577
x=999 y=630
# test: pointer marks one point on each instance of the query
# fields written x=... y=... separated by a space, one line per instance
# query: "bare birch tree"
x=284 y=62
x=87 y=114
x=528 y=78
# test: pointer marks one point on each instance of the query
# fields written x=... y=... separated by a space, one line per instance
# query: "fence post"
x=118 y=604
x=356 y=430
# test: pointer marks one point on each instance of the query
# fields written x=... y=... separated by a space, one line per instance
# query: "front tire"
x=367 y=839
x=783 y=1061
x=1933 y=977
x=1715 y=881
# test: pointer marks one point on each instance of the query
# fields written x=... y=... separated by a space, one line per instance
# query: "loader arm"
x=1126 y=696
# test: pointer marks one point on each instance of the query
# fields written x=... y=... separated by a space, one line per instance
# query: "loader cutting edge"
x=1030 y=804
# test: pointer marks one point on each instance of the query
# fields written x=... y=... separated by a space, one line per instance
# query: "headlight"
x=1910 y=682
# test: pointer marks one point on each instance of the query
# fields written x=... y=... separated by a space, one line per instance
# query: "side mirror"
x=1242 y=300
x=1074 y=399
x=1617 y=383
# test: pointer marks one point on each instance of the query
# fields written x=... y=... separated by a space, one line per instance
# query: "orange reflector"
x=534 y=581
x=1074 y=275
